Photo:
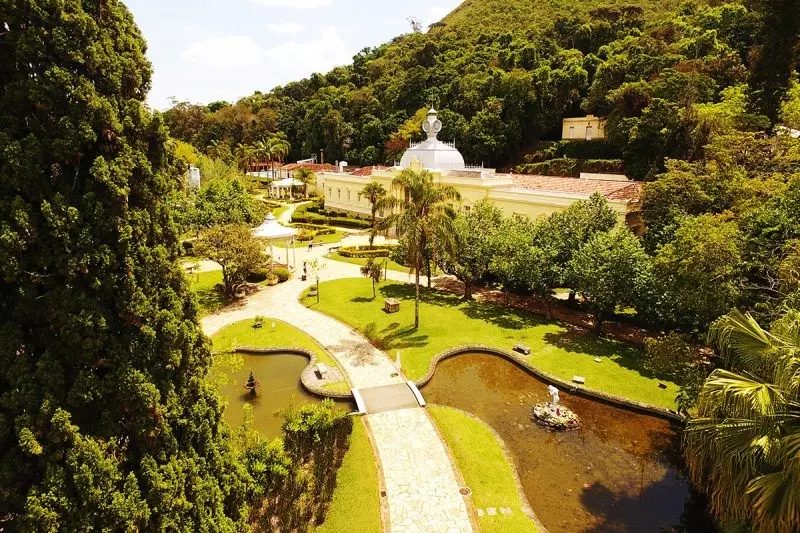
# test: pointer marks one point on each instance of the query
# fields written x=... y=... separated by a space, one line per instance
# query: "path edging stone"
x=595 y=394
x=307 y=375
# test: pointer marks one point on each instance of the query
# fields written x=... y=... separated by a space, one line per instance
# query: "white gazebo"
x=271 y=230
x=283 y=188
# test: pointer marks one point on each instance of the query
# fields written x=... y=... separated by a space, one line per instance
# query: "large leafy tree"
x=424 y=217
x=237 y=252
x=743 y=447
x=106 y=419
x=610 y=270
x=476 y=234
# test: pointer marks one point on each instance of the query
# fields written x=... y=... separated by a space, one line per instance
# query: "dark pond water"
x=280 y=387
x=620 y=472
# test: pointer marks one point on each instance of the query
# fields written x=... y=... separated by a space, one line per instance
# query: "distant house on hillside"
x=586 y=128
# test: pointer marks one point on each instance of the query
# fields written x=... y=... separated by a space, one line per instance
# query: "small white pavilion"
x=271 y=230
x=283 y=188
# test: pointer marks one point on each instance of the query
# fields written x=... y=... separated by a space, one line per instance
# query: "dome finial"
x=432 y=125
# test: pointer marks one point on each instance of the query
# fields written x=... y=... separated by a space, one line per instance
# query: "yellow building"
x=532 y=196
x=586 y=128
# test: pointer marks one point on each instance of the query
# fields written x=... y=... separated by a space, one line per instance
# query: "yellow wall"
x=579 y=125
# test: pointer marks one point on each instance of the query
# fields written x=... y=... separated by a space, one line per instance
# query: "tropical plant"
x=743 y=447
x=373 y=271
x=375 y=193
x=307 y=176
x=244 y=155
x=425 y=217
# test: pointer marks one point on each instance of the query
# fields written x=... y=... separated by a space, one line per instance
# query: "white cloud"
x=437 y=13
x=296 y=60
x=286 y=28
x=300 y=4
x=235 y=51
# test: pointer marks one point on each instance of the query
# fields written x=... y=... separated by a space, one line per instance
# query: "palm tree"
x=279 y=147
x=262 y=151
x=744 y=446
x=244 y=154
x=307 y=177
x=425 y=217
x=376 y=193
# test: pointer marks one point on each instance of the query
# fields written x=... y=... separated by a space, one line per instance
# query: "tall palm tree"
x=425 y=217
x=307 y=177
x=244 y=154
x=376 y=194
x=279 y=147
x=744 y=446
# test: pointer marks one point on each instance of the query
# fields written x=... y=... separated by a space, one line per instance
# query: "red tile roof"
x=367 y=171
x=313 y=167
x=613 y=190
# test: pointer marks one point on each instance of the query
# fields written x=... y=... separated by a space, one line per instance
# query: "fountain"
x=551 y=415
x=252 y=384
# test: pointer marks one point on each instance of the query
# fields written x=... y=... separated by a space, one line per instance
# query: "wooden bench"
x=322 y=370
x=579 y=379
x=333 y=248
x=521 y=348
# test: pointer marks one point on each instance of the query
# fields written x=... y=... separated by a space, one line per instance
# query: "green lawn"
x=447 y=321
x=244 y=334
x=209 y=299
x=355 y=505
x=486 y=471
x=331 y=238
x=278 y=211
x=362 y=260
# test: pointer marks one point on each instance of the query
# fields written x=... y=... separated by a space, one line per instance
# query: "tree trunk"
x=372 y=229
x=598 y=323
x=571 y=298
x=428 y=272
x=373 y=288
x=467 y=290
x=548 y=308
x=416 y=299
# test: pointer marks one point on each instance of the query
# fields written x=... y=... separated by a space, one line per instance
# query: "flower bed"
x=366 y=251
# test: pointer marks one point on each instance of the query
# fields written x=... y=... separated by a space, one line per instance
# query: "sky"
x=206 y=50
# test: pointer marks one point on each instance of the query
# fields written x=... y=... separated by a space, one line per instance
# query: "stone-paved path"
x=422 y=490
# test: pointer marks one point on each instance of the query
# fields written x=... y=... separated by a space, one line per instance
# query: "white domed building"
x=529 y=195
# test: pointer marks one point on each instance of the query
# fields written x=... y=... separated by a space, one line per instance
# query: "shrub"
x=304 y=236
x=366 y=251
x=258 y=321
x=188 y=247
x=572 y=167
x=316 y=228
x=257 y=276
x=282 y=274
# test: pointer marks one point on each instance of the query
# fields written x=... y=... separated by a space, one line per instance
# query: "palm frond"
x=740 y=395
x=739 y=337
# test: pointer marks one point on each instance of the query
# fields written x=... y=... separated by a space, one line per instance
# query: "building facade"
x=588 y=128
x=532 y=196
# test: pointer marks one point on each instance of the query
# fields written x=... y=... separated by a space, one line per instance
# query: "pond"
x=280 y=387
x=620 y=472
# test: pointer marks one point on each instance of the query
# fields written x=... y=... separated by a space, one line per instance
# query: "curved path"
x=422 y=488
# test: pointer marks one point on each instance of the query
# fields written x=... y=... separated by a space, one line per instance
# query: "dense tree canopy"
x=106 y=420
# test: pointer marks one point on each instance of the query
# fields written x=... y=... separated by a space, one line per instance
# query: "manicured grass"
x=244 y=334
x=209 y=299
x=447 y=321
x=355 y=505
x=278 y=211
x=362 y=260
x=331 y=238
x=486 y=471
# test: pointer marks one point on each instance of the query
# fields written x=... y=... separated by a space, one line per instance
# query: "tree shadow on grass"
x=362 y=299
x=579 y=341
x=394 y=337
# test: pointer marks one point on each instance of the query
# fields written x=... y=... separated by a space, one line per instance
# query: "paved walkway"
x=421 y=485
x=421 y=488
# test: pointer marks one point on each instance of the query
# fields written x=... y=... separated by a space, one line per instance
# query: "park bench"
x=322 y=370
x=521 y=348
x=333 y=248
x=579 y=379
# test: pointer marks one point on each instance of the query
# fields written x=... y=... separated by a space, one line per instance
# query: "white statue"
x=554 y=398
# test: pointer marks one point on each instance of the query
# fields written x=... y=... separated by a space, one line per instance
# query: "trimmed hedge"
x=316 y=228
x=283 y=274
x=366 y=251
x=312 y=218
x=546 y=150
x=257 y=276
x=572 y=167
